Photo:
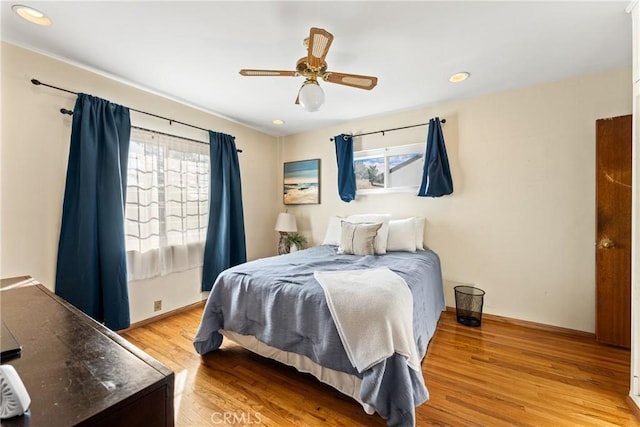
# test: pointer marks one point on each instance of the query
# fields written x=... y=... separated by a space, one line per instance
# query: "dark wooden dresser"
x=77 y=372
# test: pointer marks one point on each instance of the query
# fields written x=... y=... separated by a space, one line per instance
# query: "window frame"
x=385 y=153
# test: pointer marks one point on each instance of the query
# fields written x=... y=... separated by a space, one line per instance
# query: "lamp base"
x=284 y=246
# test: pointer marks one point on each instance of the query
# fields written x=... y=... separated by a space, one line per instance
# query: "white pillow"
x=357 y=239
x=402 y=235
x=419 y=227
x=332 y=235
x=380 y=242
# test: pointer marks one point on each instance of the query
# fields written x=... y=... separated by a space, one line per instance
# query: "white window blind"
x=167 y=204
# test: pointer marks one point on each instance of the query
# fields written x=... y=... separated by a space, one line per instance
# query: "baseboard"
x=633 y=406
x=486 y=316
x=534 y=325
x=163 y=315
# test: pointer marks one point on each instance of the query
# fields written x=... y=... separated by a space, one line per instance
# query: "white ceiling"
x=192 y=51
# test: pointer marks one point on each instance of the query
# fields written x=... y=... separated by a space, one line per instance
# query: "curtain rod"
x=391 y=130
x=171 y=121
x=70 y=113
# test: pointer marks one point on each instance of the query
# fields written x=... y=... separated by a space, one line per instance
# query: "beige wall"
x=34 y=150
x=520 y=223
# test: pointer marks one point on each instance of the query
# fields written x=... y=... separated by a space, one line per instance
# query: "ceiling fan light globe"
x=311 y=96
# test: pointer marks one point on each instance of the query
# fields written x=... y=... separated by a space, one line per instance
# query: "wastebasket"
x=469 y=302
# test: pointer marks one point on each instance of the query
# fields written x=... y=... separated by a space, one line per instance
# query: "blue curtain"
x=92 y=266
x=225 y=245
x=436 y=176
x=346 y=173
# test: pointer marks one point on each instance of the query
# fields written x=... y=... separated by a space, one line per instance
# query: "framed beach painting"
x=302 y=182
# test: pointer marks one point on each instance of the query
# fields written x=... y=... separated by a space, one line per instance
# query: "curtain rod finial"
x=36 y=82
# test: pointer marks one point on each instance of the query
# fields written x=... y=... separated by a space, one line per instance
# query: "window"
x=167 y=205
x=391 y=169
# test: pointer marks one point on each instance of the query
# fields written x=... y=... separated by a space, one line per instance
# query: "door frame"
x=634 y=390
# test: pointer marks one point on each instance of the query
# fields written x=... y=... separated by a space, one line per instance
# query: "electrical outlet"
x=157 y=305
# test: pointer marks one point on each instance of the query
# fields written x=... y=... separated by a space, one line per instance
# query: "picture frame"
x=301 y=182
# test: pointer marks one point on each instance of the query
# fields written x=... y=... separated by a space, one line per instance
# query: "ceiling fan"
x=314 y=66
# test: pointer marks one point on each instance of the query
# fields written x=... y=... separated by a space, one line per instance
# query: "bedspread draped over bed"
x=279 y=301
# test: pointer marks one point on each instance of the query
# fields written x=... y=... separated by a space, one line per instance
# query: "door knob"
x=607 y=243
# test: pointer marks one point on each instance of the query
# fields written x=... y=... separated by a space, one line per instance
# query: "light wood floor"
x=497 y=375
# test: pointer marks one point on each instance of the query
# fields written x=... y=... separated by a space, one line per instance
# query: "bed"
x=276 y=307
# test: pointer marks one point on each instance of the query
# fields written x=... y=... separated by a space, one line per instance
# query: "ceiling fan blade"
x=319 y=43
x=268 y=73
x=353 y=80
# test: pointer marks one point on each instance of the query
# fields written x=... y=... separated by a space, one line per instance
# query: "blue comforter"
x=278 y=301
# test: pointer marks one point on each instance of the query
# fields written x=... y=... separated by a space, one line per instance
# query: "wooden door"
x=613 y=234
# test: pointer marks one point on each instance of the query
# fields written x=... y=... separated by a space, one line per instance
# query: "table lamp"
x=285 y=224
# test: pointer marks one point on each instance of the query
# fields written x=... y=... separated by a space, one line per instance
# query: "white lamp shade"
x=311 y=96
x=286 y=222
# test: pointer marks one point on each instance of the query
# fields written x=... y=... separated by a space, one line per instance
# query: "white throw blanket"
x=373 y=312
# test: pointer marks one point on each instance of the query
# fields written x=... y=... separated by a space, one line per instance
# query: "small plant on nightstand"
x=296 y=241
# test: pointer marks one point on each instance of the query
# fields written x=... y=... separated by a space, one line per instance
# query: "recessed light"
x=31 y=14
x=278 y=122
x=459 y=77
